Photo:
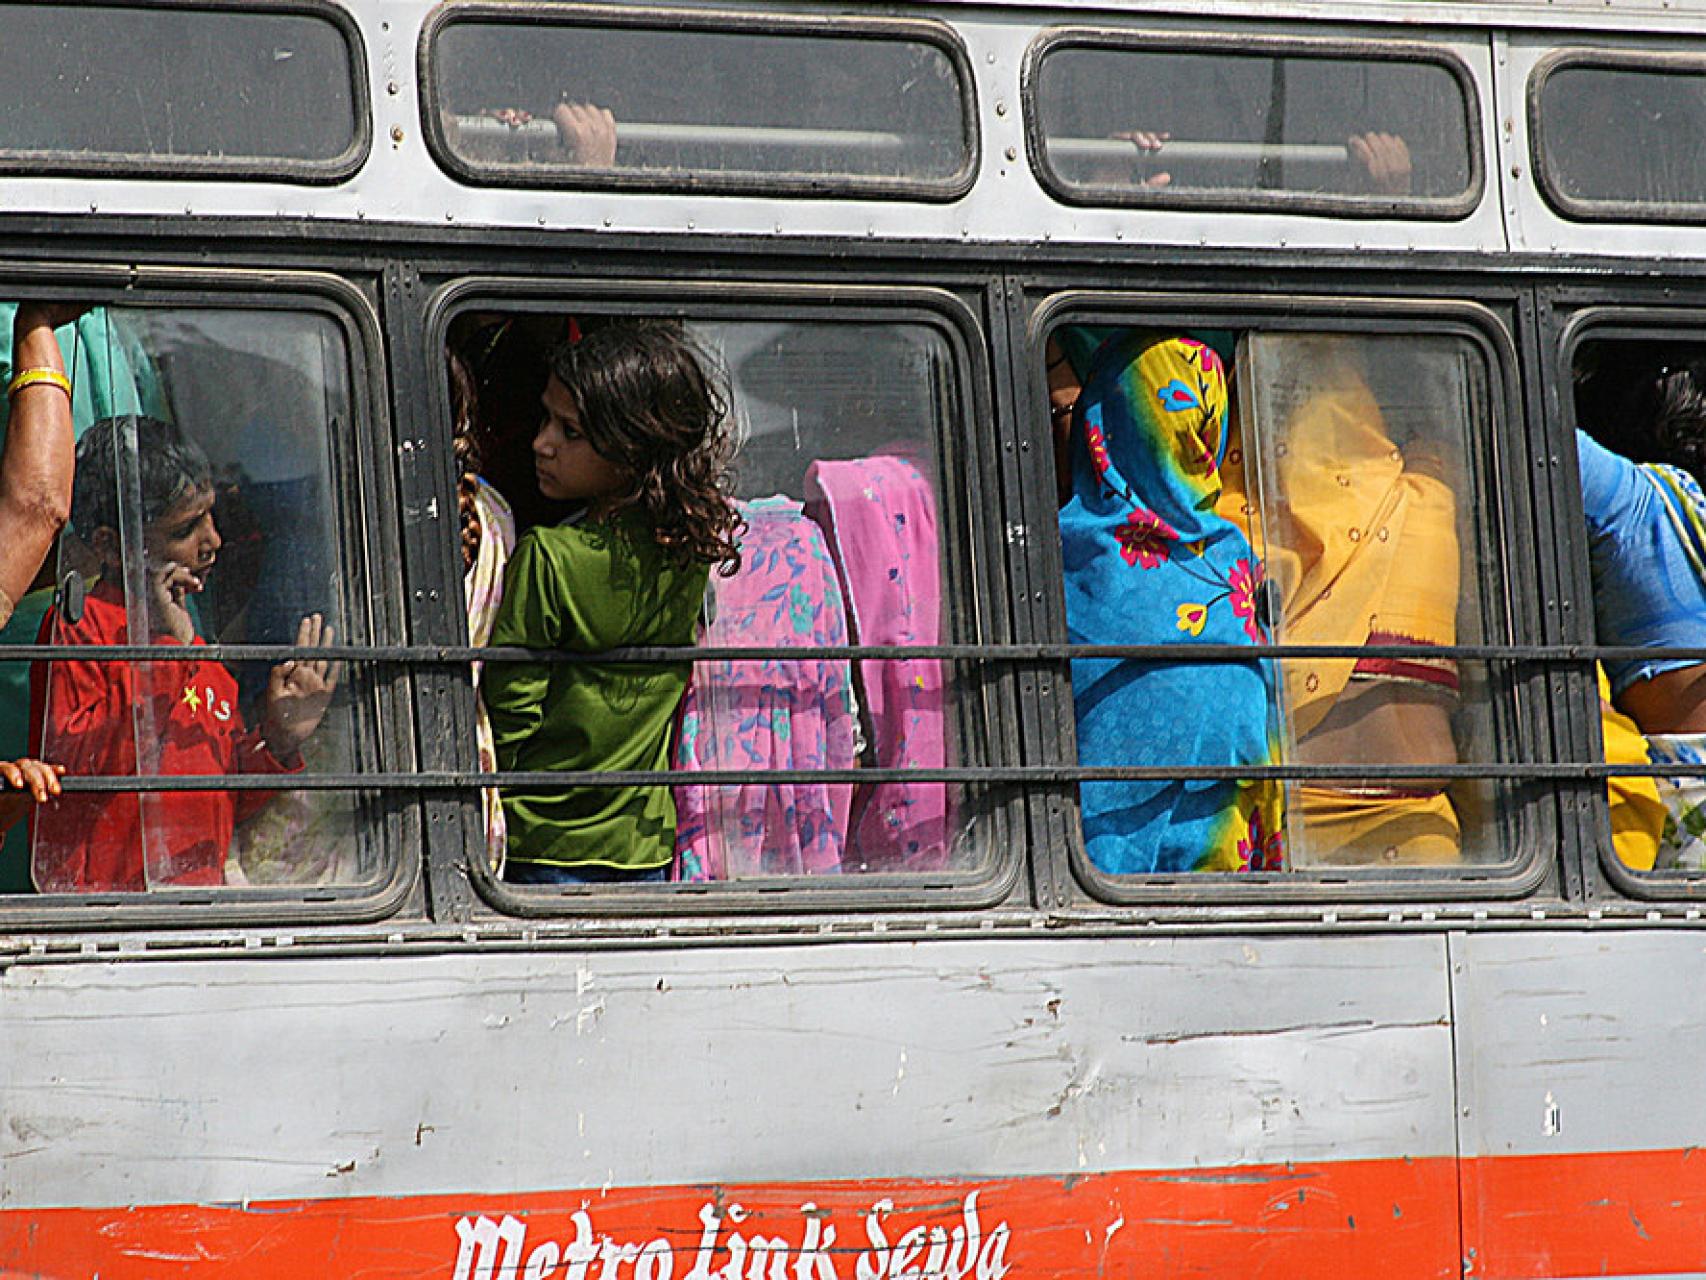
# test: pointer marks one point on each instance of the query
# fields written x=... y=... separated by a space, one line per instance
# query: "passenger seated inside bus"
x=633 y=447
x=1150 y=558
x=110 y=373
x=173 y=716
x=487 y=527
x=1646 y=521
x=1360 y=548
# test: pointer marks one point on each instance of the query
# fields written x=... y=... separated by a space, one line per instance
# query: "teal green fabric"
x=110 y=370
x=585 y=588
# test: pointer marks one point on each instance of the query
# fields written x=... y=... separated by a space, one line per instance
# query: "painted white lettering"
x=906 y=1251
x=767 y=1251
x=477 y=1249
x=814 y=1262
x=936 y=1261
x=582 y=1251
x=701 y=1268
x=962 y=1248
x=657 y=1262
x=543 y=1261
x=992 y=1260
x=736 y=1245
x=615 y=1257
x=873 y=1264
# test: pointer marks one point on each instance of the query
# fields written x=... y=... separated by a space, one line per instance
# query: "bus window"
x=1121 y=119
x=169 y=91
x=843 y=529
x=1278 y=488
x=208 y=508
x=1621 y=137
x=567 y=99
x=1641 y=446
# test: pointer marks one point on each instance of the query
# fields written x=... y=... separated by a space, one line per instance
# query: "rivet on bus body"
x=396 y=133
x=690 y=224
x=1516 y=171
x=1012 y=153
x=1000 y=108
x=990 y=57
x=392 y=89
x=607 y=222
x=449 y=216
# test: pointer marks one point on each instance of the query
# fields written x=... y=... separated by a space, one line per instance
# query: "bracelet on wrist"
x=36 y=378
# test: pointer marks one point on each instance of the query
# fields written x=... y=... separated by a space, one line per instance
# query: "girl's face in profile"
x=566 y=465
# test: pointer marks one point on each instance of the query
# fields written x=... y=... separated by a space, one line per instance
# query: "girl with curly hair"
x=635 y=437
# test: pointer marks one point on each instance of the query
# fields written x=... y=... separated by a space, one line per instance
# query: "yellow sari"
x=1361 y=543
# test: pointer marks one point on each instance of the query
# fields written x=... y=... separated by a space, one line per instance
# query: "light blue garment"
x=1647 y=550
x=1148 y=560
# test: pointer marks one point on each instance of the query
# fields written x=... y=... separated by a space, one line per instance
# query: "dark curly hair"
x=647 y=403
x=1677 y=399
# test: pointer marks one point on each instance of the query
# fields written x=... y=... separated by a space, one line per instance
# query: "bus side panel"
x=1580 y=1061
x=1183 y=1105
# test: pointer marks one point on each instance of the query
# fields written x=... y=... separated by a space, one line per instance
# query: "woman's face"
x=1063 y=392
x=566 y=465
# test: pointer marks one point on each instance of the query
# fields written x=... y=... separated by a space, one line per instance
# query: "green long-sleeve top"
x=586 y=587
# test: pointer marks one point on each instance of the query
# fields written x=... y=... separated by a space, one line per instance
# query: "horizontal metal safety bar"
x=1035 y=775
x=1176 y=151
x=632 y=132
x=462 y=655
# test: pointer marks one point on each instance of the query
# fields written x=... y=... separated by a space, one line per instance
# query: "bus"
x=893 y=1010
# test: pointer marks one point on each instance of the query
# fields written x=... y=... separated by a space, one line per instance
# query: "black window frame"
x=1574 y=208
x=719 y=21
x=1588 y=324
x=1500 y=469
x=367 y=523
x=1156 y=40
x=972 y=532
x=312 y=173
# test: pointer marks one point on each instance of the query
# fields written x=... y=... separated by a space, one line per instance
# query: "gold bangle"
x=36 y=377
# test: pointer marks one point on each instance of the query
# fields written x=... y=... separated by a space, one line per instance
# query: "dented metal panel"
x=181 y=1082
x=1581 y=1120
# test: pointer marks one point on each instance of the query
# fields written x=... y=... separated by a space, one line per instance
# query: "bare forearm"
x=36 y=465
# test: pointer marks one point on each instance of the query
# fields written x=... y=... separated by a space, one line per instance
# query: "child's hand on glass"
x=298 y=693
x=26 y=781
x=168 y=583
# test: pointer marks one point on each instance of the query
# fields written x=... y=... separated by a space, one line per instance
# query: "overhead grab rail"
x=635 y=133
x=1105 y=150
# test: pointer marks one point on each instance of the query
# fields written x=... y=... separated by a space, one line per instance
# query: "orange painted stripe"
x=1349 y=1217
x=1619 y=1213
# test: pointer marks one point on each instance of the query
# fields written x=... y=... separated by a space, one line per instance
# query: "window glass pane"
x=1172 y=123
x=1620 y=136
x=837 y=431
x=1370 y=521
x=200 y=87
x=1294 y=489
x=206 y=510
x=571 y=103
x=1641 y=414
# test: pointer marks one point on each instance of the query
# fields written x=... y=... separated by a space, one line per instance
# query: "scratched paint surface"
x=1584 y=1118
x=146 y=1082
x=1398 y=1215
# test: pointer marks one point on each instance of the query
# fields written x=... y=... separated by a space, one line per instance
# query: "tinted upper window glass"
x=1200 y=124
x=568 y=103
x=161 y=90
x=1623 y=141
